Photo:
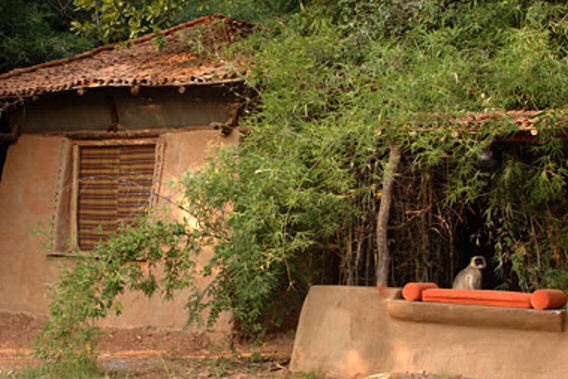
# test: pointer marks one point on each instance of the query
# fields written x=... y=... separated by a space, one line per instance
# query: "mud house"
x=90 y=141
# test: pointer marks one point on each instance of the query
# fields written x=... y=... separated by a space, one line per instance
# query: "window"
x=114 y=187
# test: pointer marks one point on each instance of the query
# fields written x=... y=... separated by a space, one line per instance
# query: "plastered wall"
x=32 y=190
x=27 y=192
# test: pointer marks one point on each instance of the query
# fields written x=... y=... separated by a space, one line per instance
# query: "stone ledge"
x=477 y=315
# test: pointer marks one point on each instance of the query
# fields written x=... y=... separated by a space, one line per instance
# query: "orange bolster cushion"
x=413 y=291
x=480 y=297
x=548 y=299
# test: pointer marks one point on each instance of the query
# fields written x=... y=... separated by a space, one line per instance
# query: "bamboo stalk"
x=383 y=254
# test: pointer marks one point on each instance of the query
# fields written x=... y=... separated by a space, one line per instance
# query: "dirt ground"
x=152 y=353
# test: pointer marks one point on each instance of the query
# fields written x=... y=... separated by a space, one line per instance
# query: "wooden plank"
x=125 y=134
x=74 y=203
x=60 y=254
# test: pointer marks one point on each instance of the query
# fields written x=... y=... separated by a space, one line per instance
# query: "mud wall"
x=27 y=192
x=347 y=332
x=31 y=191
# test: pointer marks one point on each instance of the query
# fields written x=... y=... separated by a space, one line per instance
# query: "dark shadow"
x=4 y=128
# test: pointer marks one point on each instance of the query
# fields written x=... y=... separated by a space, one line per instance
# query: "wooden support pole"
x=115 y=122
x=383 y=254
x=12 y=136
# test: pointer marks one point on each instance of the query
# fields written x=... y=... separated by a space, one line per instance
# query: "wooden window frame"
x=74 y=196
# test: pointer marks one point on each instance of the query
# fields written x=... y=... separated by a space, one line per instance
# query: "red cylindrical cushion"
x=548 y=299
x=480 y=297
x=413 y=291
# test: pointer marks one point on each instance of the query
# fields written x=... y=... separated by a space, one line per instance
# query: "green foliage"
x=112 y=20
x=33 y=31
x=153 y=255
x=408 y=67
x=529 y=207
x=336 y=86
x=275 y=207
x=66 y=370
x=254 y=11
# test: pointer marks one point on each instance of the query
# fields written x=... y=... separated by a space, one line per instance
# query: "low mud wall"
x=347 y=332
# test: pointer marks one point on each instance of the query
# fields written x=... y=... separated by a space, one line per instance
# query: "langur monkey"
x=470 y=277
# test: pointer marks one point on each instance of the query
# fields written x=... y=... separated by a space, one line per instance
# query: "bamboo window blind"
x=115 y=184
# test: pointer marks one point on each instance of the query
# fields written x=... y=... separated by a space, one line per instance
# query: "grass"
x=254 y=366
x=63 y=370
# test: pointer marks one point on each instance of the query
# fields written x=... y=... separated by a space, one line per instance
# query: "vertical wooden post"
x=383 y=254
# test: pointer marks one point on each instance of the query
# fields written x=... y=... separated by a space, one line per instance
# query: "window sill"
x=477 y=315
x=59 y=254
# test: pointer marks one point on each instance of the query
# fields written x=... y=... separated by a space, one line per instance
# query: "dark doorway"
x=475 y=239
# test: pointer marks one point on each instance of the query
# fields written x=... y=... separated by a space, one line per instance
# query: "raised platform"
x=348 y=332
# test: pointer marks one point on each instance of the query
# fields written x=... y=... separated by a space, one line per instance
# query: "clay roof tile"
x=140 y=60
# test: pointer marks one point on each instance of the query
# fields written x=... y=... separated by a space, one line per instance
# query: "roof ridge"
x=112 y=46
